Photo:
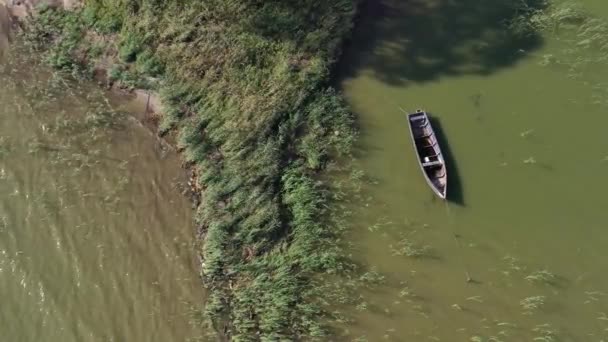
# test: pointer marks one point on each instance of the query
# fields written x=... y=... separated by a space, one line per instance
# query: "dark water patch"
x=403 y=41
x=455 y=192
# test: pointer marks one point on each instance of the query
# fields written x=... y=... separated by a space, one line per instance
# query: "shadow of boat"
x=455 y=193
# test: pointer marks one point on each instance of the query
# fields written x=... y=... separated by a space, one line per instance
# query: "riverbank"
x=245 y=93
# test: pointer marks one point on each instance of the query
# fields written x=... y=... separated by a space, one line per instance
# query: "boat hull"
x=428 y=152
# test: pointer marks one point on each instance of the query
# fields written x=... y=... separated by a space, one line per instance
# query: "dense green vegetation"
x=245 y=87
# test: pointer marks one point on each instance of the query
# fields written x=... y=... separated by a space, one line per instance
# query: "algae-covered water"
x=95 y=236
x=523 y=121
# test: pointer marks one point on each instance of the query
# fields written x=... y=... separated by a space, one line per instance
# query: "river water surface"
x=95 y=238
x=523 y=122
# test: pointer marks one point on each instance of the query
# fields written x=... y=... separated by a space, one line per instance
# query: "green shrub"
x=103 y=16
x=129 y=46
x=148 y=64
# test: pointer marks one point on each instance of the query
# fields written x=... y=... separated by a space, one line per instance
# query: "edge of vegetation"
x=245 y=88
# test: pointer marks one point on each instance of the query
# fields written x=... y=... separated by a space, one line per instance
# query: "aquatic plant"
x=532 y=303
x=5 y=146
x=541 y=276
x=584 y=39
x=380 y=225
x=407 y=293
x=546 y=333
x=34 y=146
x=506 y=324
x=371 y=277
x=389 y=333
x=593 y=296
x=406 y=247
x=477 y=299
x=513 y=265
x=362 y=306
x=526 y=133
x=477 y=338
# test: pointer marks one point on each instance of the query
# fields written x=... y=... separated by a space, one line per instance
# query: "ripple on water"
x=94 y=238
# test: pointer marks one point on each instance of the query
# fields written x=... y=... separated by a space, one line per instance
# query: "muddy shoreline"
x=14 y=13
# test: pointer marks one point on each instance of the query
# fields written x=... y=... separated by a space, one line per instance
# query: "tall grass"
x=245 y=86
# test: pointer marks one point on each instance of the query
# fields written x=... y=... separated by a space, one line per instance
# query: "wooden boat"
x=428 y=151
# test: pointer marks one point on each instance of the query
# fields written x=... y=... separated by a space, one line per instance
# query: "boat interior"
x=428 y=150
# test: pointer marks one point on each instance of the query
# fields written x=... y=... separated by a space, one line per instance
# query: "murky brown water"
x=95 y=237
